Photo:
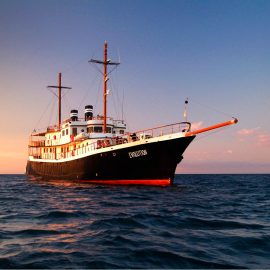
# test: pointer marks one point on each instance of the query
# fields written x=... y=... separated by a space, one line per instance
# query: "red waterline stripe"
x=146 y=182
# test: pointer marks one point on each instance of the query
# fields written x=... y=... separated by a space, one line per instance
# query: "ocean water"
x=203 y=221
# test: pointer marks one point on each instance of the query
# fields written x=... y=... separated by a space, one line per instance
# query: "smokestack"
x=88 y=112
x=74 y=115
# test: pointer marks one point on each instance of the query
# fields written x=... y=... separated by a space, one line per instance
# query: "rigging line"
x=72 y=66
x=114 y=67
x=42 y=115
x=115 y=83
x=65 y=93
x=114 y=104
x=98 y=93
x=66 y=103
x=210 y=108
x=118 y=54
x=112 y=82
x=97 y=68
x=87 y=91
x=123 y=113
x=122 y=104
x=53 y=92
x=65 y=99
x=211 y=133
x=51 y=114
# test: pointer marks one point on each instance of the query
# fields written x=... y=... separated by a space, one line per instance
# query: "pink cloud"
x=259 y=136
x=248 y=132
x=263 y=139
x=196 y=125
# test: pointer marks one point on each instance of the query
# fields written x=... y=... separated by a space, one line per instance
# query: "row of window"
x=65 y=132
x=95 y=129
x=63 y=149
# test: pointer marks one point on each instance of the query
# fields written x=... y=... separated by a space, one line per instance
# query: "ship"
x=98 y=149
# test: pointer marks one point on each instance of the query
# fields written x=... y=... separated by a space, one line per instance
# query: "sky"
x=215 y=53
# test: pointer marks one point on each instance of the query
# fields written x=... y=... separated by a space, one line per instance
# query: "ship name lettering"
x=138 y=153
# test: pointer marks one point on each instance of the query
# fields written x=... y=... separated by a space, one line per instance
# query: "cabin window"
x=121 y=131
x=63 y=133
x=98 y=129
x=74 y=131
x=89 y=129
x=108 y=130
x=66 y=131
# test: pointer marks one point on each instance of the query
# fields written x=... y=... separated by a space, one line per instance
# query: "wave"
x=33 y=232
x=62 y=215
x=204 y=221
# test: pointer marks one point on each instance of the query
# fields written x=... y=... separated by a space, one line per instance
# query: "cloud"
x=259 y=136
x=264 y=139
x=196 y=125
x=248 y=132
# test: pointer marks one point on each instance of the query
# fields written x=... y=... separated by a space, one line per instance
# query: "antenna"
x=185 y=111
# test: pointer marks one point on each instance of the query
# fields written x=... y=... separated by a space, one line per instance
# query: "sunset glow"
x=216 y=53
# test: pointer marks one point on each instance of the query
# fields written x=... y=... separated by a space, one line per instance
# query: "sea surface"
x=203 y=221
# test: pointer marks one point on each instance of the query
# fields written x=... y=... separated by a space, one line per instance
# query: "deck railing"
x=82 y=147
x=159 y=131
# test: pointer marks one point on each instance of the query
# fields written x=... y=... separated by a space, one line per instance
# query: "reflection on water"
x=201 y=222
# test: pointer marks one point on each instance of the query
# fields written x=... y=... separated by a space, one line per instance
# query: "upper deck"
x=87 y=144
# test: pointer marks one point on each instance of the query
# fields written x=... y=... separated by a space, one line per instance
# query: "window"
x=121 y=131
x=63 y=133
x=89 y=129
x=66 y=131
x=98 y=129
x=74 y=131
x=108 y=130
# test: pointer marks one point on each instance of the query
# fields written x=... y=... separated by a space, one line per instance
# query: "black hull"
x=141 y=164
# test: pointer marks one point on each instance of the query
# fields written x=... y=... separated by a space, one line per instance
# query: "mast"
x=105 y=63
x=60 y=87
x=59 y=98
x=105 y=79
